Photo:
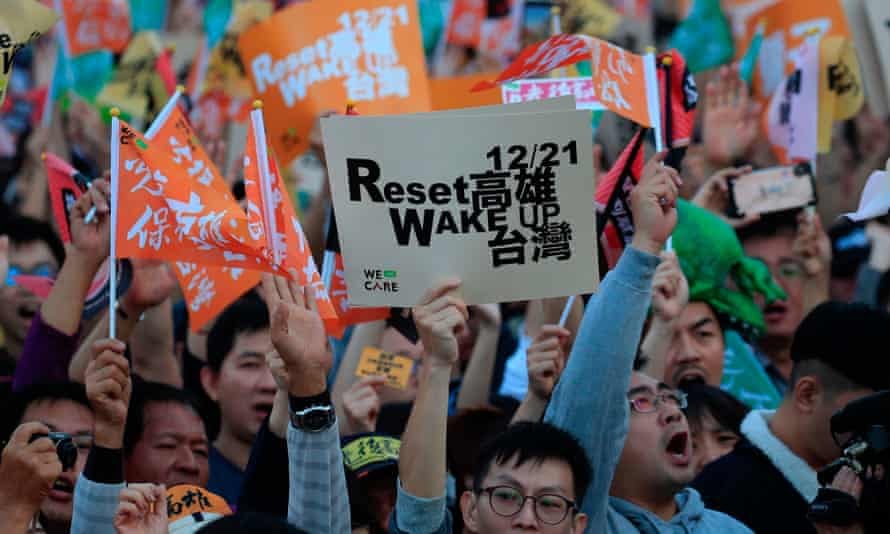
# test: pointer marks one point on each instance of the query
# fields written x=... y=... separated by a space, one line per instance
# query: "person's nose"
x=669 y=413
x=187 y=461
x=687 y=351
x=526 y=517
x=266 y=382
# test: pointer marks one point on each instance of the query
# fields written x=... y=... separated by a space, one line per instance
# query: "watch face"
x=316 y=419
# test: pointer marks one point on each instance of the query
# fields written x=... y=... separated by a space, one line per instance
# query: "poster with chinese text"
x=315 y=56
x=505 y=208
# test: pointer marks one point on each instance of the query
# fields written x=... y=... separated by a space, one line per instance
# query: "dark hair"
x=769 y=225
x=705 y=400
x=535 y=442
x=248 y=314
x=467 y=430
x=57 y=391
x=250 y=522
x=22 y=230
x=833 y=381
x=145 y=393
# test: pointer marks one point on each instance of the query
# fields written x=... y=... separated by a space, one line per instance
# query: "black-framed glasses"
x=550 y=509
x=648 y=402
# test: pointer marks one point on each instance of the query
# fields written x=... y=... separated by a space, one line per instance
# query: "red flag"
x=164 y=66
x=679 y=97
x=614 y=219
x=557 y=51
x=66 y=185
x=271 y=213
x=335 y=279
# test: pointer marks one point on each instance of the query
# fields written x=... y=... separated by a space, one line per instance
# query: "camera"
x=65 y=447
x=862 y=430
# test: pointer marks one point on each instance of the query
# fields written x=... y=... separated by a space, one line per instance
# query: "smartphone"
x=772 y=190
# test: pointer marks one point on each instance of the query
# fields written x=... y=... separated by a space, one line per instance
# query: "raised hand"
x=653 y=204
x=812 y=245
x=670 y=290
x=298 y=335
x=361 y=405
x=108 y=388
x=142 y=510
x=440 y=316
x=546 y=359
x=714 y=196
x=153 y=281
x=731 y=118
x=92 y=239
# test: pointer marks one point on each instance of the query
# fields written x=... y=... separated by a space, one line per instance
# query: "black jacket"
x=747 y=486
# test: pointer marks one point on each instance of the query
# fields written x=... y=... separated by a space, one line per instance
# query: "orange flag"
x=271 y=213
x=207 y=289
x=95 y=25
x=165 y=217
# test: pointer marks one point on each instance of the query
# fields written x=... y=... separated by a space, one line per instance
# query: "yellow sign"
x=397 y=369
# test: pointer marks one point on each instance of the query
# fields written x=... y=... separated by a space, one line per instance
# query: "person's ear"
x=210 y=382
x=579 y=523
x=469 y=507
x=808 y=392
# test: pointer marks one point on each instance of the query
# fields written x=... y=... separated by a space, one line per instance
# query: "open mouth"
x=678 y=448
x=262 y=409
x=27 y=311
x=62 y=490
x=775 y=312
x=690 y=376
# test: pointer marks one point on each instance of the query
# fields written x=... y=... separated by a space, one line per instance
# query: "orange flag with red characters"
x=207 y=289
x=96 y=24
x=269 y=211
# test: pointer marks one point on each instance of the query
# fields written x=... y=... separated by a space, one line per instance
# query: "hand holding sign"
x=440 y=316
x=298 y=334
x=653 y=203
x=714 y=196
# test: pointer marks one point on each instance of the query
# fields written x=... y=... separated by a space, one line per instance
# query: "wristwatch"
x=312 y=414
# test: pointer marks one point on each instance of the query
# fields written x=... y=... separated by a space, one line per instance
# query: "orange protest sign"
x=454 y=93
x=169 y=218
x=96 y=24
x=271 y=215
x=315 y=56
x=208 y=290
x=557 y=51
x=619 y=79
x=395 y=368
x=787 y=25
x=465 y=22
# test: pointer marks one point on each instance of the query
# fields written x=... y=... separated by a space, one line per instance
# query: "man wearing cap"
x=372 y=470
x=769 y=479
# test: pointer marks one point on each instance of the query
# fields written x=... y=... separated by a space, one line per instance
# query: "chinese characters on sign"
x=537 y=89
x=493 y=208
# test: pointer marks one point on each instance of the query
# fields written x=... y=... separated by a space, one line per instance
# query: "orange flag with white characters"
x=271 y=214
x=96 y=24
x=207 y=289
x=164 y=217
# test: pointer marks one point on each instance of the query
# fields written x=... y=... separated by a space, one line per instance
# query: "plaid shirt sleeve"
x=95 y=505
x=317 y=498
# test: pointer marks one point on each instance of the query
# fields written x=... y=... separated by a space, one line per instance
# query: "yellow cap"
x=555 y=10
x=350 y=103
x=650 y=49
x=180 y=88
x=812 y=31
x=667 y=61
x=257 y=104
x=115 y=112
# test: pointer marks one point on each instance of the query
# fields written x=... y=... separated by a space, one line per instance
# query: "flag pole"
x=165 y=111
x=259 y=136
x=112 y=256
x=652 y=97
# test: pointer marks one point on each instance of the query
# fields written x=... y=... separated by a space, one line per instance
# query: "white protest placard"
x=869 y=55
x=879 y=17
x=543 y=89
x=502 y=202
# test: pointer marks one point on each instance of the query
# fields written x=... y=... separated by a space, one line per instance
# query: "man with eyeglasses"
x=776 y=240
x=61 y=408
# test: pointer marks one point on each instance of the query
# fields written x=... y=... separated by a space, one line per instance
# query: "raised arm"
x=590 y=400
x=670 y=294
x=475 y=389
x=317 y=497
x=52 y=339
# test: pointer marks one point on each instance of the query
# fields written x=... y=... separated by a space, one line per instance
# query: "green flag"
x=749 y=60
x=744 y=377
x=704 y=38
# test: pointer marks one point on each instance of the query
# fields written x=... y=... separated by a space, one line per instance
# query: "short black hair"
x=22 y=230
x=44 y=391
x=248 y=314
x=535 y=442
x=769 y=225
x=145 y=393
x=250 y=522
x=704 y=400
x=833 y=381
